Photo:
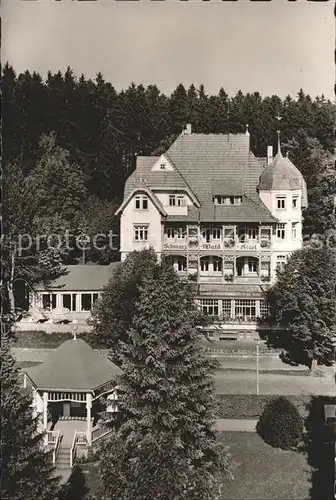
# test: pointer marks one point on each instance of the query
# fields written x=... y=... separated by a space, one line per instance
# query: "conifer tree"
x=26 y=469
x=164 y=445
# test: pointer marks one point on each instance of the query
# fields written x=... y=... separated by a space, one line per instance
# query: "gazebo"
x=70 y=383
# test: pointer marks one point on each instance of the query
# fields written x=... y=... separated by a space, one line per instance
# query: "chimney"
x=188 y=129
x=269 y=154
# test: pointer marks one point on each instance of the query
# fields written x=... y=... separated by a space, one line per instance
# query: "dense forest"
x=69 y=143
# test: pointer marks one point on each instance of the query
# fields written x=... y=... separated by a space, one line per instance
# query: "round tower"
x=283 y=190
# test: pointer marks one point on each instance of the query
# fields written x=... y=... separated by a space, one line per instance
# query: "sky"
x=274 y=48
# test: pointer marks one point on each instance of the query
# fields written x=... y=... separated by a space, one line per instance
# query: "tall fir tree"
x=27 y=471
x=164 y=445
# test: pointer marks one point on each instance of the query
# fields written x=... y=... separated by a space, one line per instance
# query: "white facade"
x=226 y=257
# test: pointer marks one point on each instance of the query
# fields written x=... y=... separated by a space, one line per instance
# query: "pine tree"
x=26 y=469
x=164 y=445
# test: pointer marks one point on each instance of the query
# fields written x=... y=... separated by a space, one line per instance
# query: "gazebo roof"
x=74 y=366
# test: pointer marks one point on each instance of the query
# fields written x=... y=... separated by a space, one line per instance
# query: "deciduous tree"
x=303 y=307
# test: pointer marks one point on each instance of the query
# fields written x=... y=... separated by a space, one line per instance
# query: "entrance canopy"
x=74 y=366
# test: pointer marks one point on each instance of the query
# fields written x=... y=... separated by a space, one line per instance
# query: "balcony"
x=195 y=243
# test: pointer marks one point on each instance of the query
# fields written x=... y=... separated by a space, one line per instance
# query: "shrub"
x=280 y=424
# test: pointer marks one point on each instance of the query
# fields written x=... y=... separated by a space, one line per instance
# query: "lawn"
x=264 y=472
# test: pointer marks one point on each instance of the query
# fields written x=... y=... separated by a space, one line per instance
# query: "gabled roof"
x=142 y=187
x=82 y=277
x=73 y=366
x=208 y=165
x=164 y=179
x=204 y=157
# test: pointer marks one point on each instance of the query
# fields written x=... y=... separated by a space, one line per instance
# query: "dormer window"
x=227 y=200
x=141 y=203
x=177 y=200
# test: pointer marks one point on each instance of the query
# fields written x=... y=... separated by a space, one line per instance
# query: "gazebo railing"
x=56 y=446
x=79 y=438
x=52 y=437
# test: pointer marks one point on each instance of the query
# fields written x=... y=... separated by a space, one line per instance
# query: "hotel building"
x=219 y=214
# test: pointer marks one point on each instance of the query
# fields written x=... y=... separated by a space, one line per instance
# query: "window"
x=228 y=200
x=86 y=302
x=69 y=301
x=209 y=307
x=141 y=233
x=264 y=308
x=216 y=233
x=88 y=299
x=66 y=299
x=162 y=166
x=175 y=232
x=295 y=202
x=172 y=200
x=294 y=230
x=141 y=203
x=176 y=200
x=206 y=232
x=281 y=261
x=226 y=308
x=49 y=301
x=211 y=233
x=247 y=234
x=281 y=231
x=252 y=265
x=180 y=264
x=281 y=202
x=245 y=308
x=205 y=264
x=251 y=234
x=217 y=264
x=265 y=234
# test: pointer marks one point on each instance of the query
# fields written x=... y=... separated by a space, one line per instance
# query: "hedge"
x=251 y=405
x=41 y=339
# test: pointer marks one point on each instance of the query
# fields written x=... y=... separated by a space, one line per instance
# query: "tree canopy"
x=303 y=307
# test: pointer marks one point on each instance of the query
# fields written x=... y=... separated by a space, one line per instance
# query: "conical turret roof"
x=282 y=174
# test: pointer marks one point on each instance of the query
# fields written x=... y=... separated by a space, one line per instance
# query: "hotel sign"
x=210 y=246
x=247 y=246
x=174 y=246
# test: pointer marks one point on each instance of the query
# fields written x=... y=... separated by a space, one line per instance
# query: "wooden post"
x=45 y=416
x=88 y=418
